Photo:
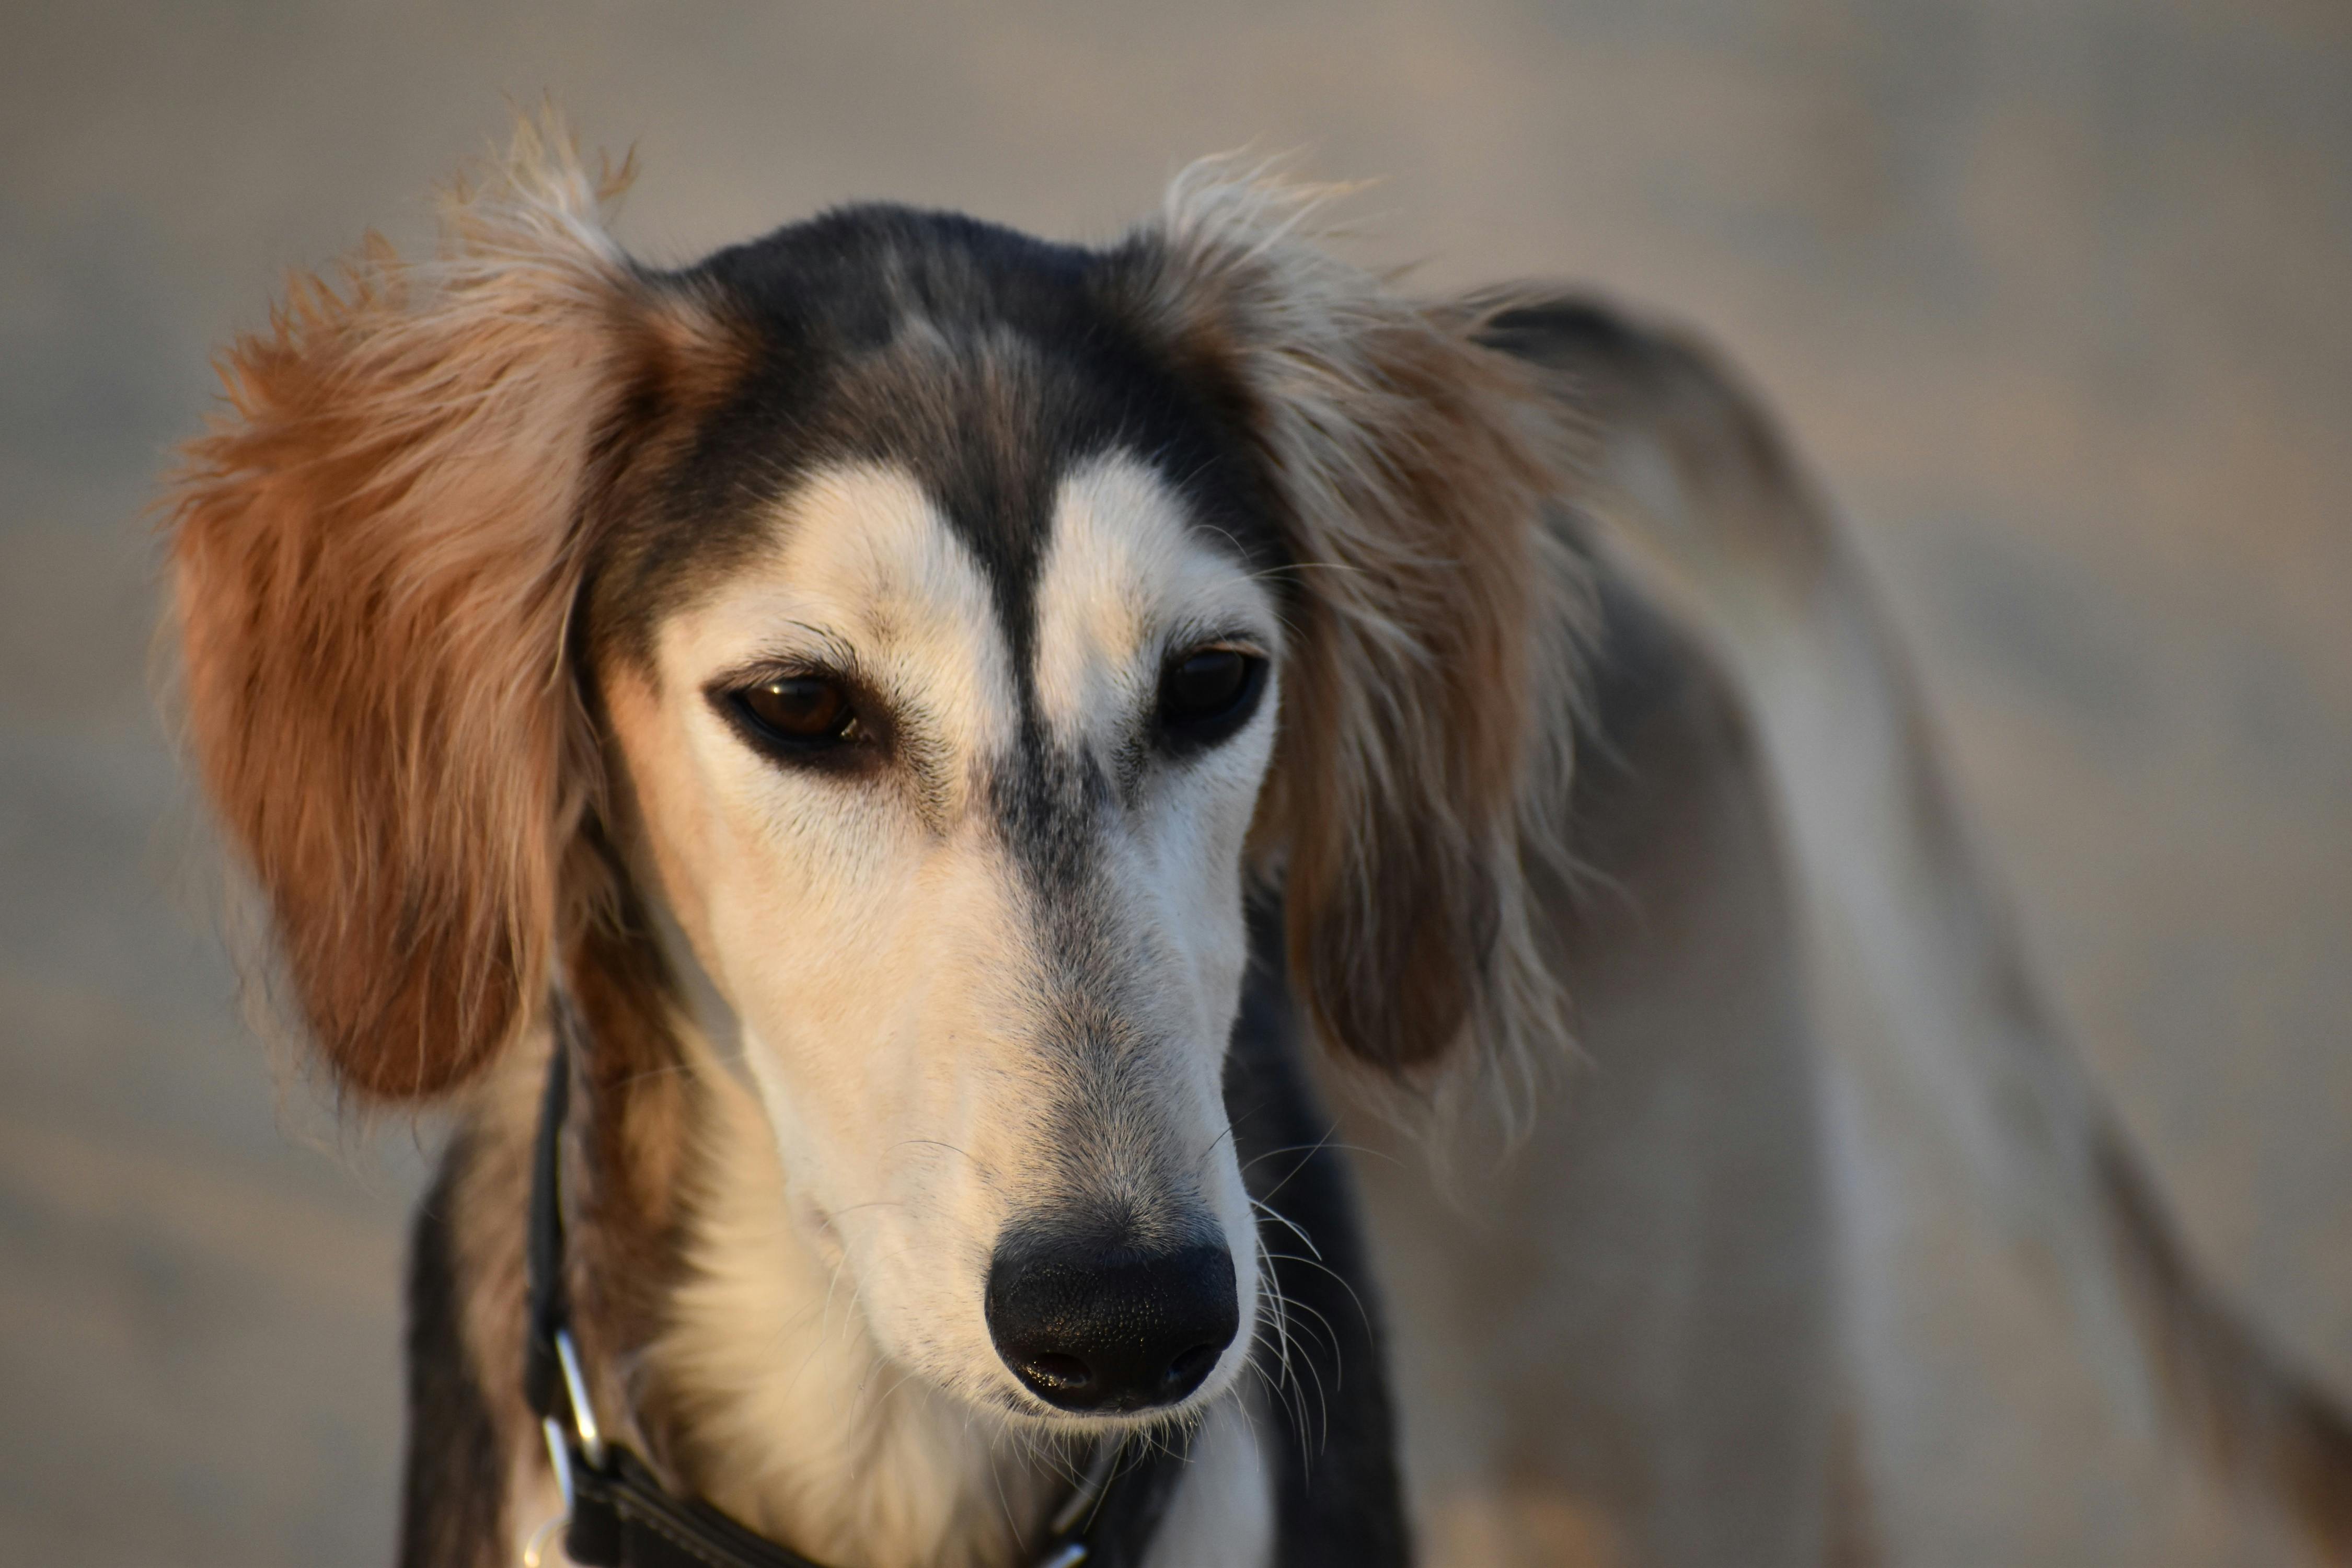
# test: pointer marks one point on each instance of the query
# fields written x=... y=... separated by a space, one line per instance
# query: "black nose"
x=1104 y=1327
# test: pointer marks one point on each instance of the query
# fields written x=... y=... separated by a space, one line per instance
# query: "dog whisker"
x=1269 y=1212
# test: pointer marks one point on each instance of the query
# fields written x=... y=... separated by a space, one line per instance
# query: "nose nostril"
x=1185 y=1373
x=1058 y=1374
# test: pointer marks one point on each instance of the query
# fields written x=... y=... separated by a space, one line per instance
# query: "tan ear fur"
x=375 y=553
x=1419 y=759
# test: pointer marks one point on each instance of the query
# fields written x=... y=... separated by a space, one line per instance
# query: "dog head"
x=946 y=628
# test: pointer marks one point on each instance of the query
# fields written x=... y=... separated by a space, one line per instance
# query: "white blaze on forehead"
x=1125 y=574
x=867 y=571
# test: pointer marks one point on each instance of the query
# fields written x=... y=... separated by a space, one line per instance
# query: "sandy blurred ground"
x=2057 y=292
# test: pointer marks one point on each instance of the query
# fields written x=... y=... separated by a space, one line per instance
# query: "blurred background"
x=2056 y=293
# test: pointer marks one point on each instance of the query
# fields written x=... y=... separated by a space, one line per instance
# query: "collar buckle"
x=575 y=1391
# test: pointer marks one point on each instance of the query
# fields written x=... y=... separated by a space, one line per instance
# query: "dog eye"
x=800 y=711
x=1207 y=694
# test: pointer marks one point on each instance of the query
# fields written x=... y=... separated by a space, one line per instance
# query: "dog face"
x=973 y=885
x=948 y=626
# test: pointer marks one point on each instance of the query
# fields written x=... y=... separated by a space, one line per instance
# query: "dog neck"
x=786 y=1414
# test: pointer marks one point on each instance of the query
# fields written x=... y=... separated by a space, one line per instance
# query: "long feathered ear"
x=1411 y=467
x=375 y=555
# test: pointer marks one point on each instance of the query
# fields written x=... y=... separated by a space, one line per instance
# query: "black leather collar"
x=618 y=1514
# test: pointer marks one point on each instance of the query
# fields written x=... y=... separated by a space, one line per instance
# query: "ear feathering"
x=375 y=553
x=1421 y=765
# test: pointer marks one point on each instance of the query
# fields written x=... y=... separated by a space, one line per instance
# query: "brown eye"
x=799 y=710
x=1207 y=694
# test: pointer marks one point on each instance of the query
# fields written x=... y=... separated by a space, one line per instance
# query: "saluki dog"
x=883 y=778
